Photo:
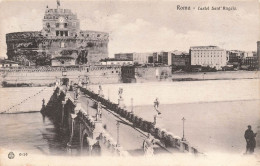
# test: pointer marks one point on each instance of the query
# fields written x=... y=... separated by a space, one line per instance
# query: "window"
x=65 y=25
x=57 y=25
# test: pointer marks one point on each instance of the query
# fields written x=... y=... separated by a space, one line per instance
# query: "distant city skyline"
x=145 y=26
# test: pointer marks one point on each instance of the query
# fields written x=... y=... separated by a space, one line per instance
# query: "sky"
x=145 y=26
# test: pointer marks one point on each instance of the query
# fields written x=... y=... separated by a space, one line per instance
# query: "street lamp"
x=118 y=124
x=108 y=94
x=183 y=138
x=132 y=105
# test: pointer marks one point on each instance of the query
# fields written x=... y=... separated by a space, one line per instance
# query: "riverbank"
x=220 y=75
x=44 y=78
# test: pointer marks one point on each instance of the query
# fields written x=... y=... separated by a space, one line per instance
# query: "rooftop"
x=3 y=61
x=113 y=59
x=202 y=46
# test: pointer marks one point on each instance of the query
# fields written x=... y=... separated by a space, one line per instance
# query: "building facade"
x=166 y=58
x=60 y=37
x=235 y=57
x=110 y=62
x=130 y=74
x=212 y=56
x=248 y=54
x=8 y=63
x=251 y=62
x=181 y=59
x=140 y=58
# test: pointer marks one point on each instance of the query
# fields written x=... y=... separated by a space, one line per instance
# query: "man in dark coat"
x=250 y=140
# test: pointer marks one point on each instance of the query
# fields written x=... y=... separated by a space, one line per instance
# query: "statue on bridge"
x=100 y=91
x=156 y=105
x=71 y=86
x=79 y=82
x=120 y=100
x=85 y=82
x=77 y=93
x=120 y=92
x=148 y=145
x=43 y=102
x=99 y=111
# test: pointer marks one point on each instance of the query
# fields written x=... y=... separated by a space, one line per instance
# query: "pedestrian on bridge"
x=250 y=140
x=99 y=111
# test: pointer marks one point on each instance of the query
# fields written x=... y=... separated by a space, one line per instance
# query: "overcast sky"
x=146 y=26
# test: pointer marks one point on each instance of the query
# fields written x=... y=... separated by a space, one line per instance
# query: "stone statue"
x=79 y=82
x=71 y=86
x=43 y=102
x=77 y=92
x=57 y=83
x=156 y=105
x=100 y=91
x=99 y=111
x=121 y=100
x=120 y=92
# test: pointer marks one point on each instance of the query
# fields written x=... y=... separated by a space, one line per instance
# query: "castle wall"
x=38 y=49
x=46 y=76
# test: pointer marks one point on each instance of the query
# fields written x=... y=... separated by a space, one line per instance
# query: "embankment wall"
x=47 y=76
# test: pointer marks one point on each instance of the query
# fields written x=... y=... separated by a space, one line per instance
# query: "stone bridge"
x=94 y=126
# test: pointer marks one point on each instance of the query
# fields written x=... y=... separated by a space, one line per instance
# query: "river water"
x=217 y=114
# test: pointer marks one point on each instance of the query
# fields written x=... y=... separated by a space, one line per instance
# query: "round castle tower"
x=59 y=43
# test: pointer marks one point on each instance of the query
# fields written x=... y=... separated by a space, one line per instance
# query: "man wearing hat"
x=250 y=140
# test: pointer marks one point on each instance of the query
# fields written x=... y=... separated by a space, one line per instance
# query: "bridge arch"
x=88 y=147
x=85 y=147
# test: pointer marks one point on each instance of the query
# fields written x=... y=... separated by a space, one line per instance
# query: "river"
x=217 y=113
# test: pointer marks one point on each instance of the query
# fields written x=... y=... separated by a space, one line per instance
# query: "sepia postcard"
x=130 y=83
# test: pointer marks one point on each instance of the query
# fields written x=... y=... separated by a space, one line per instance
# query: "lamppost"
x=87 y=107
x=132 y=105
x=108 y=94
x=183 y=138
x=118 y=124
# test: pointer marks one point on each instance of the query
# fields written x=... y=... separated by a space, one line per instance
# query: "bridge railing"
x=169 y=140
x=105 y=139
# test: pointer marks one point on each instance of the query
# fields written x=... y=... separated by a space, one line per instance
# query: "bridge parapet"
x=167 y=138
x=86 y=133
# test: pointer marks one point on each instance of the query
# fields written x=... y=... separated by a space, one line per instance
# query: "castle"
x=59 y=43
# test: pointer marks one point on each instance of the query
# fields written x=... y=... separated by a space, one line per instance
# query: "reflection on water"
x=30 y=132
